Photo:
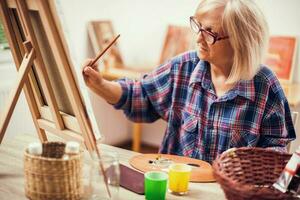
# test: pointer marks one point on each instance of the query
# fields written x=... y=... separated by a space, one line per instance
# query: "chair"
x=178 y=39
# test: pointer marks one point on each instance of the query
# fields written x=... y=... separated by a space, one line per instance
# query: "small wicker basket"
x=249 y=173
x=50 y=176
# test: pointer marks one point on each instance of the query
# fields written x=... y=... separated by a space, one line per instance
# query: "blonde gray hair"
x=246 y=26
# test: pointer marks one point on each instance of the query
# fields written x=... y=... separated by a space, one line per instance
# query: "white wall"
x=142 y=25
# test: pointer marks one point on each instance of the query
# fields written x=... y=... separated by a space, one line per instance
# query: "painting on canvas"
x=281 y=56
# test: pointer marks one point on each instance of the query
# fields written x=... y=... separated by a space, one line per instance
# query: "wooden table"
x=12 y=179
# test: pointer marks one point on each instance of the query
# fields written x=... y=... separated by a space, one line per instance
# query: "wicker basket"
x=51 y=177
x=249 y=173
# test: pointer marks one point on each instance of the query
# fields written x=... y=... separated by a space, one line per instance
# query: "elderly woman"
x=214 y=98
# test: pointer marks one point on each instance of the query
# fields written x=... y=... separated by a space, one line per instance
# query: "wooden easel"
x=15 y=93
x=45 y=49
x=36 y=22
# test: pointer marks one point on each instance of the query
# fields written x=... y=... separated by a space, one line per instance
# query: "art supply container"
x=104 y=182
x=250 y=172
x=179 y=176
x=155 y=185
x=49 y=176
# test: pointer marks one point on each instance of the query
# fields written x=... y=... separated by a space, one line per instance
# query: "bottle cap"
x=72 y=147
x=35 y=148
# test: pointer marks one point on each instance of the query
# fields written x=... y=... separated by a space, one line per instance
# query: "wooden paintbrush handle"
x=102 y=52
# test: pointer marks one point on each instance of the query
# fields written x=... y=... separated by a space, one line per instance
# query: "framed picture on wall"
x=281 y=56
x=101 y=33
x=178 y=40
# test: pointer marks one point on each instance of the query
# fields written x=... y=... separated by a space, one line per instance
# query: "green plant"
x=3 y=41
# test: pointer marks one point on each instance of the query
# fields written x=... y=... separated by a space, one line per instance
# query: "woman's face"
x=220 y=52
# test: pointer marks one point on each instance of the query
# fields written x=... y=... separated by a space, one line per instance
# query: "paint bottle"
x=72 y=148
x=35 y=148
x=289 y=179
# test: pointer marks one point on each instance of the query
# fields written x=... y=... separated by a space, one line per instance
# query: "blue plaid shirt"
x=255 y=113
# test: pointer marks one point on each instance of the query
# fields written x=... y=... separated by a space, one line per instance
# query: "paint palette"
x=201 y=171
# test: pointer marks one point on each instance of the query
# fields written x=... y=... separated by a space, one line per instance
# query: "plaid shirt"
x=200 y=124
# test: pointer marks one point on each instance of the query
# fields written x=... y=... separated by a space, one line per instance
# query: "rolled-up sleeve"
x=277 y=128
x=124 y=95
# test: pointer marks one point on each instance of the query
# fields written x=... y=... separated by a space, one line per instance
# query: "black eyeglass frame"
x=215 y=36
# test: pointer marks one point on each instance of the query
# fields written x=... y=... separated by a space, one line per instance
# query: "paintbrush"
x=103 y=52
x=102 y=170
x=97 y=150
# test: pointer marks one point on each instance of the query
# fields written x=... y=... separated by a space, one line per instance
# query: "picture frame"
x=281 y=57
x=178 y=39
x=53 y=92
x=101 y=32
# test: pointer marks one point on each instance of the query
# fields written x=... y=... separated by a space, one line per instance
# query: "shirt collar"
x=201 y=73
x=246 y=88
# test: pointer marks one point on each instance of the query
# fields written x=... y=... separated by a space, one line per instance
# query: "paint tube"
x=289 y=180
x=72 y=148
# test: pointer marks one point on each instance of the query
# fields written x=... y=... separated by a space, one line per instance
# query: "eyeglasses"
x=208 y=36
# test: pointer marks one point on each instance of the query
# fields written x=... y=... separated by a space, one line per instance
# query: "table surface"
x=12 y=177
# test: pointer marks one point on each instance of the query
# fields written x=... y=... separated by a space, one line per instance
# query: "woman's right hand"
x=109 y=90
x=91 y=75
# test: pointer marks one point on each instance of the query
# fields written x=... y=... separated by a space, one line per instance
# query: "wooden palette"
x=201 y=170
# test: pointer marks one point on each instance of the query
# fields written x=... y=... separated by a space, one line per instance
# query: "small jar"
x=105 y=179
x=35 y=148
x=72 y=148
